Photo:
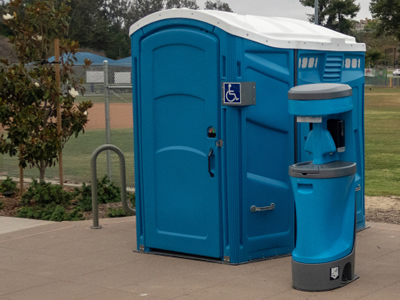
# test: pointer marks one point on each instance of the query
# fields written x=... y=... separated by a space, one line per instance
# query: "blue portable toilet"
x=211 y=160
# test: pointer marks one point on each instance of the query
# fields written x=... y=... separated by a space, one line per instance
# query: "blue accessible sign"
x=232 y=93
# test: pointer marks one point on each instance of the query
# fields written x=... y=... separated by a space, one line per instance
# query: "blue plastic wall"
x=178 y=67
x=346 y=68
x=259 y=142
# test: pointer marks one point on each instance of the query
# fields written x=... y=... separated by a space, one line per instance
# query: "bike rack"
x=93 y=164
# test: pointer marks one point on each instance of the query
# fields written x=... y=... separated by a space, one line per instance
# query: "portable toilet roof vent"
x=333 y=68
x=272 y=31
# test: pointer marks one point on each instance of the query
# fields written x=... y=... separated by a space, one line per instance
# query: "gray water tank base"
x=330 y=170
x=316 y=277
x=320 y=91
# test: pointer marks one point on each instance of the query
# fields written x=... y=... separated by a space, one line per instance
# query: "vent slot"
x=333 y=68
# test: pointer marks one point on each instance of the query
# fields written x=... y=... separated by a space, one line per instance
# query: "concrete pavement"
x=14 y=224
x=69 y=260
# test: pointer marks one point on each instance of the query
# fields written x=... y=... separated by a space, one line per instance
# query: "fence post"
x=107 y=111
x=59 y=121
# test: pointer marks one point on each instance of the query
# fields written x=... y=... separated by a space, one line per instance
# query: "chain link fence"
x=109 y=88
x=380 y=78
x=382 y=81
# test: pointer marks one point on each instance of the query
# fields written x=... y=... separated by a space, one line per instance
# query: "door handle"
x=209 y=162
x=265 y=208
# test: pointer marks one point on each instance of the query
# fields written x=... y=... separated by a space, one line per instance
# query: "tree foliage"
x=29 y=93
x=372 y=26
x=388 y=14
x=373 y=55
x=4 y=29
x=381 y=48
x=217 y=5
x=142 y=8
x=100 y=25
x=334 y=14
x=181 y=4
x=103 y=25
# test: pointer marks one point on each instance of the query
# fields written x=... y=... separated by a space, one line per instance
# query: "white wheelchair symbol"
x=230 y=95
x=334 y=273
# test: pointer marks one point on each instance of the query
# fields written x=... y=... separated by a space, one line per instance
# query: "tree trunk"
x=21 y=174
x=42 y=169
x=21 y=180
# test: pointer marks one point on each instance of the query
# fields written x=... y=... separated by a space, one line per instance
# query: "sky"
x=284 y=8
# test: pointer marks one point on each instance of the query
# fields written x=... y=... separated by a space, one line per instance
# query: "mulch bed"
x=382 y=216
x=12 y=204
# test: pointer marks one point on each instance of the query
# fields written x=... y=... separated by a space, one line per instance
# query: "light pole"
x=316 y=11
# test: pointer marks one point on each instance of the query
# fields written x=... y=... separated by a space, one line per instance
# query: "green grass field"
x=76 y=158
x=382 y=141
x=112 y=98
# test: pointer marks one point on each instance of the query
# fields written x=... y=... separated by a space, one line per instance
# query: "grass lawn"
x=115 y=96
x=76 y=158
x=382 y=141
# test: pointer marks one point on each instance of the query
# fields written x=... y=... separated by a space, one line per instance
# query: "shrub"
x=132 y=197
x=50 y=203
x=84 y=197
x=51 y=212
x=8 y=185
x=117 y=212
x=44 y=193
x=29 y=213
x=107 y=191
x=59 y=214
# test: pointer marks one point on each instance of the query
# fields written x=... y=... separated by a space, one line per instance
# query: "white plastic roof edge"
x=271 y=31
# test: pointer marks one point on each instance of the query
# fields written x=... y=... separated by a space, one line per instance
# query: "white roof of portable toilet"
x=272 y=31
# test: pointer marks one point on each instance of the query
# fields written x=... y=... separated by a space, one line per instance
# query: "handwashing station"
x=213 y=134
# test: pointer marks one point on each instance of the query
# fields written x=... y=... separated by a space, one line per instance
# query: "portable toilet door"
x=199 y=165
x=180 y=160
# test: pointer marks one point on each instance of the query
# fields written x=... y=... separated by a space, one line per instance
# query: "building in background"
x=360 y=25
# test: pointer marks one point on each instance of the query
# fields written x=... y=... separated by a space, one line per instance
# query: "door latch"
x=219 y=143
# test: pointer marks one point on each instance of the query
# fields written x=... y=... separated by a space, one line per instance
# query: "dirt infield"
x=121 y=116
x=383 y=209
